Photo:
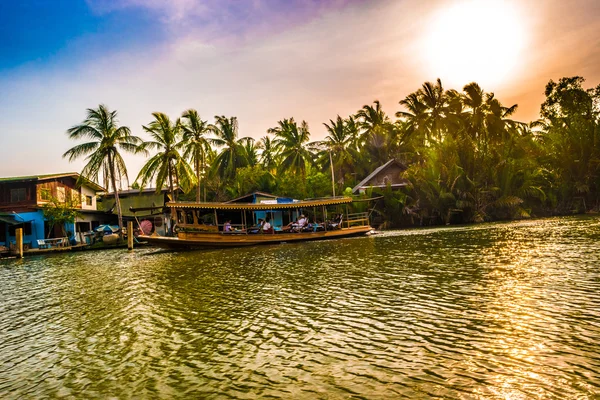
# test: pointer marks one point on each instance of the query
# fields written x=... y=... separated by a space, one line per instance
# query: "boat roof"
x=263 y=206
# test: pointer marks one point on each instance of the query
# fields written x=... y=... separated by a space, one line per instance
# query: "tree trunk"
x=197 y=179
x=203 y=166
x=117 y=201
x=171 y=181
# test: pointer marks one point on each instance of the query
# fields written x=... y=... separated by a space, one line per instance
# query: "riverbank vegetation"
x=467 y=159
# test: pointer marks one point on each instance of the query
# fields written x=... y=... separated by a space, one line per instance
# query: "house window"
x=83 y=226
x=75 y=197
x=17 y=195
x=60 y=194
x=88 y=200
x=45 y=194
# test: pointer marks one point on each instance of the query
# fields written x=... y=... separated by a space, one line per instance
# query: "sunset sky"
x=265 y=60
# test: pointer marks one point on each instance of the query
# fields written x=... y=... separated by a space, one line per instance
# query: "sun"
x=475 y=40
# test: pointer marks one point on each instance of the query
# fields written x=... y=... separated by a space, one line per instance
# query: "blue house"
x=22 y=199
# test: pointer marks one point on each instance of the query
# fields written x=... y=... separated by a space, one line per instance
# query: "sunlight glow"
x=475 y=40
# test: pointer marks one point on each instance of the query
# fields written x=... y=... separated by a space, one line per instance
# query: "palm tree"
x=195 y=143
x=268 y=154
x=415 y=118
x=168 y=164
x=249 y=151
x=338 y=145
x=372 y=120
x=291 y=141
x=426 y=114
x=231 y=156
x=101 y=126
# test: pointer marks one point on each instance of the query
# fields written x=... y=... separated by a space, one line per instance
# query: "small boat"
x=214 y=225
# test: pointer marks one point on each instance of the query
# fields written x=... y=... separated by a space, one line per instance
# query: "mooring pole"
x=130 y=235
x=19 y=240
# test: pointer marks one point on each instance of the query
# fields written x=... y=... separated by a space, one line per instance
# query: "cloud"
x=325 y=63
x=218 y=20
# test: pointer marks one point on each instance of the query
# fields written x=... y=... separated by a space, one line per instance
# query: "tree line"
x=467 y=160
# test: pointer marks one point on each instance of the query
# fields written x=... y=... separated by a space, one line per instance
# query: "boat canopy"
x=263 y=206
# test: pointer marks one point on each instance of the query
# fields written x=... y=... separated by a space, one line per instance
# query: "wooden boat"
x=201 y=225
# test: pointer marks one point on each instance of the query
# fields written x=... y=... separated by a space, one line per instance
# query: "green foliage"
x=467 y=160
x=167 y=167
x=318 y=184
x=250 y=179
x=59 y=213
x=104 y=159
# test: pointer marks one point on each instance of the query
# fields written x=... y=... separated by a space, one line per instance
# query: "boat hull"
x=221 y=240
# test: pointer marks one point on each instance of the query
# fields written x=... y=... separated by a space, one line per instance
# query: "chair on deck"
x=42 y=244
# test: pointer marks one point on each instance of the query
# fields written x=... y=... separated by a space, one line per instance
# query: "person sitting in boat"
x=301 y=224
x=256 y=228
x=267 y=227
x=336 y=222
x=227 y=226
x=290 y=226
x=314 y=226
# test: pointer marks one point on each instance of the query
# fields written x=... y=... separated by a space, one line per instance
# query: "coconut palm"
x=291 y=141
x=168 y=166
x=372 y=120
x=249 y=151
x=338 y=145
x=103 y=157
x=195 y=143
x=231 y=155
x=268 y=154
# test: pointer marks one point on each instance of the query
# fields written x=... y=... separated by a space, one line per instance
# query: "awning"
x=264 y=207
x=9 y=219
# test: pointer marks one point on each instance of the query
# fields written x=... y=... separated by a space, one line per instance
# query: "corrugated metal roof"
x=363 y=184
x=33 y=178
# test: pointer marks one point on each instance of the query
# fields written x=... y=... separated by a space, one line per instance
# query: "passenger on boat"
x=301 y=224
x=289 y=226
x=227 y=226
x=256 y=228
x=336 y=222
x=266 y=227
x=314 y=226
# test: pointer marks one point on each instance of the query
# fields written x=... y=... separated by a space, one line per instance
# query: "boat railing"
x=357 y=219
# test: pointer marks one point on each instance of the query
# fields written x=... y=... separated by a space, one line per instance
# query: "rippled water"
x=490 y=311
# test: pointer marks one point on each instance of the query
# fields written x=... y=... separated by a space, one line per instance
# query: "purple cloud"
x=225 y=19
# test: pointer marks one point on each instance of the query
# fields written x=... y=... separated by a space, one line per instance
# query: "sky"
x=265 y=60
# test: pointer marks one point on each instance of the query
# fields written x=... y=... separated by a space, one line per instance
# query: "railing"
x=357 y=219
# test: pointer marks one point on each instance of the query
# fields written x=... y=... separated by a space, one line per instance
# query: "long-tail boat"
x=198 y=225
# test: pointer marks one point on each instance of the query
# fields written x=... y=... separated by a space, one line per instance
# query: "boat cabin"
x=281 y=213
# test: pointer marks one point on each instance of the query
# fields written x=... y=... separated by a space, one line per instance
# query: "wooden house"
x=389 y=174
x=22 y=200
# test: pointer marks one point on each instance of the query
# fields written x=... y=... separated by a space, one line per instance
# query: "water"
x=491 y=311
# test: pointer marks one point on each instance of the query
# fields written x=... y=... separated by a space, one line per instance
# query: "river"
x=492 y=311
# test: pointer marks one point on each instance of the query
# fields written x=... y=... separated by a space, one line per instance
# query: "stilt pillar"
x=19 y=242
x=130 y=235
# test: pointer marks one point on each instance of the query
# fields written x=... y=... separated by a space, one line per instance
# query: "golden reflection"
x=517 y=355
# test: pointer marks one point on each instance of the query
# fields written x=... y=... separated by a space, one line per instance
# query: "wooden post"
x=130 y=235
x=332 y=175
x=19 y=242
